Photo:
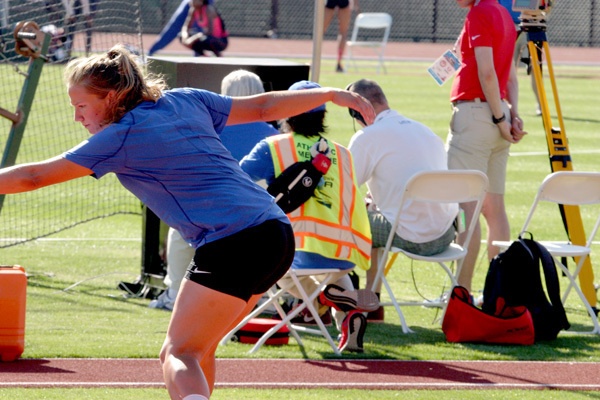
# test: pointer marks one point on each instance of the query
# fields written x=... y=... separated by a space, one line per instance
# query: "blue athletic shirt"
x=170 y=156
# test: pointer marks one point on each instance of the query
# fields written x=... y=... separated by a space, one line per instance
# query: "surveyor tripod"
x=534 y=25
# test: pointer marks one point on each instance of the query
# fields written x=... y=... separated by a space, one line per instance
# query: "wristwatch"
x=498 y=120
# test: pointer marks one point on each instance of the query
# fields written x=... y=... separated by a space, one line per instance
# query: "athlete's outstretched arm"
x=32 y=176
x=272 y=106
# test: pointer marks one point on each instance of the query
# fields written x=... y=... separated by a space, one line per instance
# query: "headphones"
x=353 y=113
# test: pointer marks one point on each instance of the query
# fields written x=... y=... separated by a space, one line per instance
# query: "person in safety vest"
x=331 y=228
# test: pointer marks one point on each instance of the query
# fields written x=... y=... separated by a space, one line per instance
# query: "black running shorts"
x=337 y=3
x=246 y=263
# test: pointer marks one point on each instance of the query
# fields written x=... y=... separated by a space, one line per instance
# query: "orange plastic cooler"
x=13 y=288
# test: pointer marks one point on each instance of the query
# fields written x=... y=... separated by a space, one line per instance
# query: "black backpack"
x=514 y=275
x=297 y=183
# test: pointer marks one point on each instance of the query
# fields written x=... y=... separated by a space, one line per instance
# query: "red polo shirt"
x=487 y=24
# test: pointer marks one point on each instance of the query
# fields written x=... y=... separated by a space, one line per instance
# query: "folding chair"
x=370 y=22
x=325 y=277
x=567 y=188
x=454 y=186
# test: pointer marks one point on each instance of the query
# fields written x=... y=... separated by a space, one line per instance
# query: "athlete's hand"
x=355 y=101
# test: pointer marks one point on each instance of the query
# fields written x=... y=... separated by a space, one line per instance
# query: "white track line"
x=312 y=385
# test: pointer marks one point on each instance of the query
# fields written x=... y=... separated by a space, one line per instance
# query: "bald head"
x=371 y=91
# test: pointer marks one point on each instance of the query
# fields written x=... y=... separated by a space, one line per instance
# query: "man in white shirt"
x=386 y=154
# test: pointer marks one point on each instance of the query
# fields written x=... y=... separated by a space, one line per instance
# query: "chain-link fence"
x=50 y=128
x=571 y=22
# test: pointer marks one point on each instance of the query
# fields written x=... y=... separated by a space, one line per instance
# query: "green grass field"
x=75 y=310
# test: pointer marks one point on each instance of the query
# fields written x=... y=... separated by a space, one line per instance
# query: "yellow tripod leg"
x=560 y=160
x=389 y=263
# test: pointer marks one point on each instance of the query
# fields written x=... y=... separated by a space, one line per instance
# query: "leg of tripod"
x=560 y=158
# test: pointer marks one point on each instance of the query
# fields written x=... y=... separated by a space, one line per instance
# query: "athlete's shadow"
x=409 y=374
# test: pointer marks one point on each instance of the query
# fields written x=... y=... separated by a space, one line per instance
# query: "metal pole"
x=5 y=6
x=319 y=19
x=17 y=129
x=434 y=22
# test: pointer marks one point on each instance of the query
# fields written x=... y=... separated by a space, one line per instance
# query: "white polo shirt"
x=386 y=154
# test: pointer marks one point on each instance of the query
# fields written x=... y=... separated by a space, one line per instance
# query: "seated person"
x=386 y=155
x=331 y=228
x=239 y=140
x=172 y=29
x=204 y=29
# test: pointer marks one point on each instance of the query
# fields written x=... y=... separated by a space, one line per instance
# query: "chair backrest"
x=452 y=186
x=445 y=186
x=568 y=188
x=571 y=188
x=372 y=21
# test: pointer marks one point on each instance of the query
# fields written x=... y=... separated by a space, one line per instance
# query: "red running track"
x=295 y=373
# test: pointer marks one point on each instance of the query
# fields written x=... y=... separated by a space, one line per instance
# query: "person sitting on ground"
x=386 y=155
x=204 y=29
x=172 y=30
x=331 y=228
x=239 y=140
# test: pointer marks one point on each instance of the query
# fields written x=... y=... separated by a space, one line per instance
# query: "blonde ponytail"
x=118 y=71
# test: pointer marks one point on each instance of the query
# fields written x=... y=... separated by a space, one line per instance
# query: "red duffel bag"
x=463 y=322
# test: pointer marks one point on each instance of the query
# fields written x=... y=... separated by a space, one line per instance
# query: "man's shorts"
x=380 y=230
x=474 y=142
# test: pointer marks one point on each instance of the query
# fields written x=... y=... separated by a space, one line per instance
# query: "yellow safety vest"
x=334 y=221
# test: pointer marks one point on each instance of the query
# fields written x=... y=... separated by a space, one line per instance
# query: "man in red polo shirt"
x=485 y=119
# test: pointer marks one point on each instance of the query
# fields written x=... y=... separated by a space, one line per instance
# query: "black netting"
x=50 y=128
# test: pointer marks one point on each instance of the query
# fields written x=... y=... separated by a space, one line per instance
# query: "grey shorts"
x=380 y=230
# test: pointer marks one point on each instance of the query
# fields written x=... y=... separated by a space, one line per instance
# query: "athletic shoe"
x=339 y=68
x=437 y=302
x=353 y=332
x=166 y=301
x=306 y=318
x=348 y=300
x=477 y=301
x=377 y=316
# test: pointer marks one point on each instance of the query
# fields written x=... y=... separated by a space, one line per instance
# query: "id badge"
x=444 y=67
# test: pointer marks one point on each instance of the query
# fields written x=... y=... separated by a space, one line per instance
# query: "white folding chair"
x=324 y=277
x=570 y=189
x=372 y=23
x=453 y=186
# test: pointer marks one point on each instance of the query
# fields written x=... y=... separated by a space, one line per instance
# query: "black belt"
x=477 y=100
